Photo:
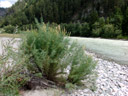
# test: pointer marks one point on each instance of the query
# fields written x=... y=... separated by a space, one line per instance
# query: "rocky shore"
x=109 y=79
x=112 y=80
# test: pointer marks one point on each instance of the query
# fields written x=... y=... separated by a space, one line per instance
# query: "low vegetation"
x=11 y=71
x=100 y=28
x=45 y=54
x=9 y=29
x=86 y=18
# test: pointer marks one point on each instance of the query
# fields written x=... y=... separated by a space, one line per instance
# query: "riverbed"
x=112 y=50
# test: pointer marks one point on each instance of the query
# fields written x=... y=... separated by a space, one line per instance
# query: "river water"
x=116 y=50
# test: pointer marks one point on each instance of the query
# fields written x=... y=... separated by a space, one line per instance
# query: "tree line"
x=24 y=12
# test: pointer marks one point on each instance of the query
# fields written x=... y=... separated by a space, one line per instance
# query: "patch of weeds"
x=44 y=54
x=11 y=71
x=51 y=54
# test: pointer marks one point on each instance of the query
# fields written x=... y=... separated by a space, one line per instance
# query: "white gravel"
x=4 y=41
x=112 y=80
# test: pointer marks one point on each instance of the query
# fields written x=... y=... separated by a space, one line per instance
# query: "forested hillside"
x=81 y=14
x=3 y=11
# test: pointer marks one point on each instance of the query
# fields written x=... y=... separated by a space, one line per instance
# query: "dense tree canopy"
x=65 y=11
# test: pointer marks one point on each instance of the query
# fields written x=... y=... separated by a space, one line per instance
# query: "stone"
x=112 y=79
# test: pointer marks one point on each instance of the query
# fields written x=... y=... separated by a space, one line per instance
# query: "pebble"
x=112 y=80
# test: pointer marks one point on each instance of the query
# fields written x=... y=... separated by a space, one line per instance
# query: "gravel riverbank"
x=112 y=80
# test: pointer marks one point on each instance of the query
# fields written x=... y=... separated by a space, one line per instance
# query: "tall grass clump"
x=51 y=54
x=45 y=54
x=9 y=29
x=12 y=70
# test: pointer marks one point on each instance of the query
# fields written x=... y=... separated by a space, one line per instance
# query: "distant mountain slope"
x=61 y=11
x=3 y=11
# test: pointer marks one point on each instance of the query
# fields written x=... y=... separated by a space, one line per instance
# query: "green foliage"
x=69 y=86
x=85 y=30
x=81 y=65
x=24 y=12
x=101 y=21
x=101 y=28
x=9 y=29
x=109 y=31
x=66 y=11
x=50 y=55
x=117 y=32
x=77 y=29
x=96 y=32
x=97 y=29
x=45 y=46
x=73 y=28
x=44 y=53
x=117 y=18
x=11 y=71
x=1 y=30
x=61 y=11
x=122 y=37
x=125 y=23
x=93 y=17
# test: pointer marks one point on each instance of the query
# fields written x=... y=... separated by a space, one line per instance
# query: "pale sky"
x=7 y=3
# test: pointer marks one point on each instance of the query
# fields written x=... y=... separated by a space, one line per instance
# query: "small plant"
x=1 y=30
x=109 y=31
x=11 y=71
x=50 y=55
x=85 y=29
x=81 y=65
x=97 y=29
x=46 y=47
x=9 y=29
